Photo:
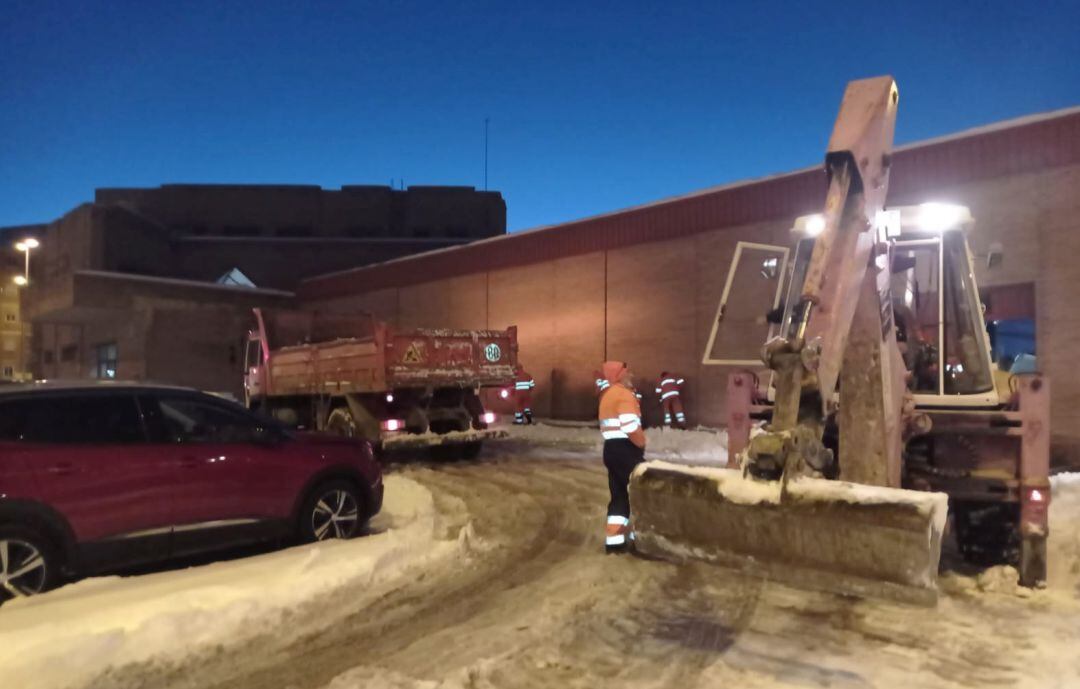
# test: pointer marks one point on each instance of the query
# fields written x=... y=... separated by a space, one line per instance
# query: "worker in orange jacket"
x=669 y=390
x=624 y=449
x=523 y=386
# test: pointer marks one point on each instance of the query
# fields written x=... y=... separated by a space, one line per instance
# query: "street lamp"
x=20 y=281
x=26 y=246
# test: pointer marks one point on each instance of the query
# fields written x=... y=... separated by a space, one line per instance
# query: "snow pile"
x=363 y=677
x=698 y=446
x=1063 y=545
x=70 y=635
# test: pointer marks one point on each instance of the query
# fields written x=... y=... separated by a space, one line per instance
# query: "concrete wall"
x=653 y=304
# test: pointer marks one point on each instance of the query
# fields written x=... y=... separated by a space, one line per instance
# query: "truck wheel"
x=333 y=510
x=29 y=563
x=341 y=423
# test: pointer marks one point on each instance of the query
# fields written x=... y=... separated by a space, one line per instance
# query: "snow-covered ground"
x=696 y=446
x=491 y=574
x=68 y=636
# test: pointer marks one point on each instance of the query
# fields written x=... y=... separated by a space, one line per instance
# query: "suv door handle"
x=62 y=469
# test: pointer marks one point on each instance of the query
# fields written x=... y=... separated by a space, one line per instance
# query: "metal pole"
x=485 y=154
x=27 y=272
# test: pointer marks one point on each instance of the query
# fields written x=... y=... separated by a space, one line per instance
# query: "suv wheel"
x=332 y=511
x=28 y=563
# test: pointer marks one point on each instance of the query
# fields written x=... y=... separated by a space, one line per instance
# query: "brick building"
x=643 y=284
x=158 y=283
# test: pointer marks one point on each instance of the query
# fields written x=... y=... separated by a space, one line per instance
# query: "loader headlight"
x=938 y=217
x=814 y=226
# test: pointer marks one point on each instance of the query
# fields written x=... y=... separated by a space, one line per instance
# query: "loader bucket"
x=824 y=535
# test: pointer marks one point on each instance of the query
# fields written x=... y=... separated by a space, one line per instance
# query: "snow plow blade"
x=823 y=535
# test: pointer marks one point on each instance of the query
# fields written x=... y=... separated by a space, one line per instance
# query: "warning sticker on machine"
x=413 y=355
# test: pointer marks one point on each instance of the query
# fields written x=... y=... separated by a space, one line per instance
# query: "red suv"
x=95 y=476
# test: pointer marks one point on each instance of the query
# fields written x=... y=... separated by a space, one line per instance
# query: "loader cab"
x=935 y=302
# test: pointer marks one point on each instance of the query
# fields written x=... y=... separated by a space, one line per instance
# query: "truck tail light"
x=391 y=425
x=504 y=393
x=389 y=397
x=488 y=417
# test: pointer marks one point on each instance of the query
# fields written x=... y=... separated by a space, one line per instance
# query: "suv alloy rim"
x=22 y=568
x=335 y=515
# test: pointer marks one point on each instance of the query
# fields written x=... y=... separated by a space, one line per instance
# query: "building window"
x=241 y=231
x=9 y=317
x=295 y=231
x=69 y=352
x=9 y=372
x=105 y=361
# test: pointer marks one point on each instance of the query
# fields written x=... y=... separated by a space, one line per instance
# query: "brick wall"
x=653 y=304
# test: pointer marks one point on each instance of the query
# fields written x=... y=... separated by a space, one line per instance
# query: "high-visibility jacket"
x=620 y=416
x=669 y=386
x=601 y=383
x=523 y=382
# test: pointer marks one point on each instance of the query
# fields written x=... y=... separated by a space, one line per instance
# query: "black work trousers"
x=620 y=458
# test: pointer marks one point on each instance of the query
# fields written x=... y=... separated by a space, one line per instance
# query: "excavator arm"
x=842 y=324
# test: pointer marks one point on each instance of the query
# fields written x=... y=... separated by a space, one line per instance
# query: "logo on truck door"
x=492 y=352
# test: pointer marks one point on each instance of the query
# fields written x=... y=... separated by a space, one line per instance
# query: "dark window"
x=69 y=352
x=47 y=356
x=241 y=231
x=295 y=231
x=76 y=419
x=105 y=361
x=9 y=317
x=193 y=420
x=9 y=371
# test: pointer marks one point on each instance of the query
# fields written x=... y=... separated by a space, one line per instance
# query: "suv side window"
x=73 y=420
x=189 y=419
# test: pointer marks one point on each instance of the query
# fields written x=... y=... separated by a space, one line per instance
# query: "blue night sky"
x=593 y=106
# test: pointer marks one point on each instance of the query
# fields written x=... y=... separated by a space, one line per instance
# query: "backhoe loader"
x=883 y=414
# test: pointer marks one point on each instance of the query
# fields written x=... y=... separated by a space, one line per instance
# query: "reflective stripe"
x=610 y=423
x=614 y=435
x=630 y=428
x=618 y=519
x=680 y=381
x=667 y=380
x=617 y=539
x=627 y=418
x=667 y=418
x=680 y=416
x=657 y=391
x=672 y=393
x=521 y=386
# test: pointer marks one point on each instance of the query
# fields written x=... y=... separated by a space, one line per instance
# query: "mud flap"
x=824 y=535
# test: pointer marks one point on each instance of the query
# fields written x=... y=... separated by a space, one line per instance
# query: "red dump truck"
x=356 y=376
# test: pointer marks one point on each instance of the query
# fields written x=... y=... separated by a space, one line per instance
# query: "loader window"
x=751 y=291
x=915 y=285
x=967 y=362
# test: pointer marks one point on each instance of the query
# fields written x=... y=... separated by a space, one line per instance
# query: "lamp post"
x=26 y=246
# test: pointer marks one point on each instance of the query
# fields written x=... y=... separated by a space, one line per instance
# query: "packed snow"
x=67 y=636
x=491 y=574
x=702 y=446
